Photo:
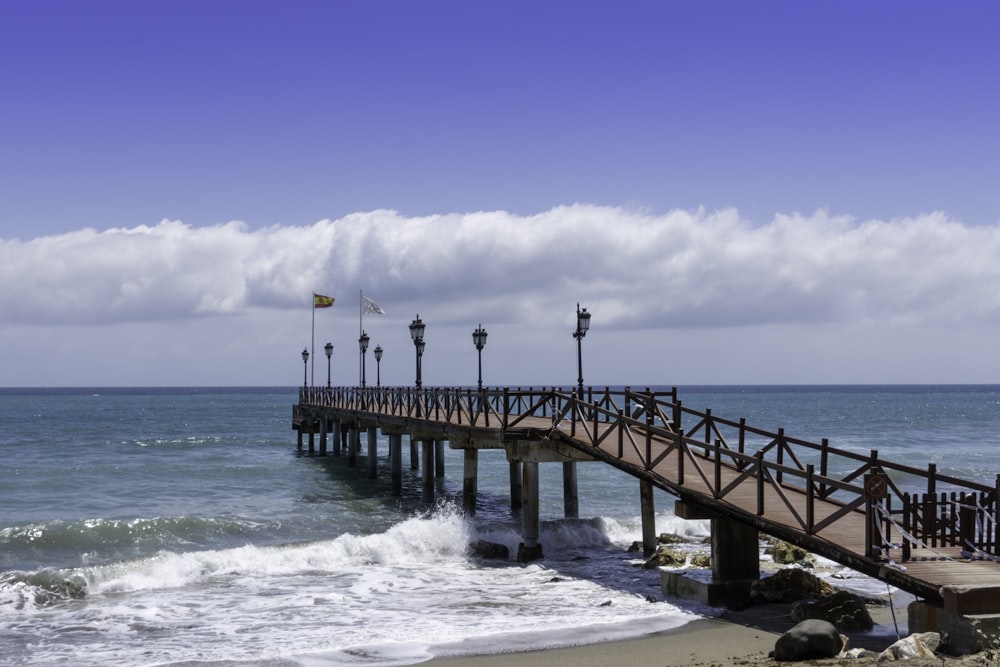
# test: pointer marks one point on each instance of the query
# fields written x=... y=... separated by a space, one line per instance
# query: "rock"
x=701 y=560
x=844 y=609
x=809 y=639
x=665 y=557
x=669 y=538
x=784 y=553
x=635 y=547
x=484 y=549
x=789 y=585
x=920 y=645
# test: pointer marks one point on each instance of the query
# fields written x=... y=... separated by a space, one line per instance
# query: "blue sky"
x=346 y=125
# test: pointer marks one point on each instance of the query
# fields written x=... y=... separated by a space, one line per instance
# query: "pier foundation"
x=372 y=452
x=571 y=497
x=470 y=480
x=648 y=518
x=428 y=464
x=396 y=461
x=515 y=485
x=735 y=562
x=529 y=549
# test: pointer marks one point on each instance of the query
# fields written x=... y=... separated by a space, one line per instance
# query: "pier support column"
x=312 y=440
x=529 y=549
x=648 y=518
x=414 y=456
x=439 y=458
x=353 y=447
x=428 y=462
x=470 y=480
x=372 y=452
x=322 y=436
x=299 y=437
x=396 y=461
x=571 y=498
x=335 y=436
x=515 y=485
x=345 y=438
x=735 y=561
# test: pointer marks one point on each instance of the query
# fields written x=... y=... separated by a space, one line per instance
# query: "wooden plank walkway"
x=768 y=486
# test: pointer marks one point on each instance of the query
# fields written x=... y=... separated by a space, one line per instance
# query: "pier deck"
x=936 y=537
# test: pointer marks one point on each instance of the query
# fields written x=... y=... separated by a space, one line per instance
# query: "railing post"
x=506 y=407
x=810 y=498
x=760 y=483
x=824 y=456
x=621 y=434
x=649 y=440
x=679 y=438
x=717 y=491
x=781 y=454
x=677 y=415
x=708 y=428
x=996 y=517
x=907 y=526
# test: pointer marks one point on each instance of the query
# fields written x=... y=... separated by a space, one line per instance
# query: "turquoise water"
x=169 y=526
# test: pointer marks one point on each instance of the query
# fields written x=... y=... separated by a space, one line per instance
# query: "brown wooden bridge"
x=931 y=534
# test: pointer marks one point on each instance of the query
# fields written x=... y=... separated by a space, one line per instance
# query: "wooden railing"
x=933 y=511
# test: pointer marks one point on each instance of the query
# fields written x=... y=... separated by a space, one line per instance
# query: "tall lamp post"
x=328 y=348
x=417 y=334
x=378 y=365
x=479 y=340
x=363 y=346
x=582 y=324
x=305 y=368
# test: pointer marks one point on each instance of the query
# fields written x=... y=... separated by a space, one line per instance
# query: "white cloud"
x=681 y=269
x=815 y=298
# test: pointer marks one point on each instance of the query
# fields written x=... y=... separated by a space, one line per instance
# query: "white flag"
x=372 y=307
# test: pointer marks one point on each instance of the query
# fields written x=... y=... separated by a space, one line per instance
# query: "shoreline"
x=742 y=637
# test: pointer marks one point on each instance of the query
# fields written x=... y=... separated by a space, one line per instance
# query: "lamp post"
x=363 y=346
x=328 y=348
x=305 y=368
x=479 y=340
x=417 y=334
x=582 y=324
x=378 y=365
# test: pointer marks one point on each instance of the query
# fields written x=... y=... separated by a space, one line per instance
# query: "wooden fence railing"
x=933 y=511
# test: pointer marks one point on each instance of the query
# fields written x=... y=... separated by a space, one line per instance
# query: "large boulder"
x=846 y=610
x=785 y=553
x=789 y=585
x=484 y=549
x=807 y=640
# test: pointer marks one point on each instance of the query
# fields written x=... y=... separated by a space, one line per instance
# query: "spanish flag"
x=320 y=301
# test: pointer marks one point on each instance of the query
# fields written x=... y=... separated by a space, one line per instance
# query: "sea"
x=182 y=526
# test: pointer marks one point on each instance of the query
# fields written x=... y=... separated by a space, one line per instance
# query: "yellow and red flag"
x=320 y=301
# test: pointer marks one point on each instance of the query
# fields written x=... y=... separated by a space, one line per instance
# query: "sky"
x=739 y=192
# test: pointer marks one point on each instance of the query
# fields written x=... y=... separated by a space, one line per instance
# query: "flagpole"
x=361 y=326
x=313 y=306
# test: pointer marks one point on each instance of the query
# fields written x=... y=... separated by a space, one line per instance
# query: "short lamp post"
x=378 y=365
x=305 y=368
x=328 y=348
x=363 y=346
x=417 y=334
x=479 y=340
x=582 y=324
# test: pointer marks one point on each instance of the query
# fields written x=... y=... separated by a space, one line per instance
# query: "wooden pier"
x=930 y=534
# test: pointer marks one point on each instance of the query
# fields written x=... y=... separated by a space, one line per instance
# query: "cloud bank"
x=680 y=269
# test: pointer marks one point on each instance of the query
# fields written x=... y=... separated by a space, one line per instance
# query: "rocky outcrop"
x=789 y=585
x=484 y=549
x=844 y=609
x=665 y=557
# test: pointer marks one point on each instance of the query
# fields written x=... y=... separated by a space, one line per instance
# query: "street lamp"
x=582 y=324
x=329 y=353
x=305 y=369
x=417 y=334
x=479 y=340
x=363 y=345
x=378 y=365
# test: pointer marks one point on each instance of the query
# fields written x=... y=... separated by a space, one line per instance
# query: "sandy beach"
x=733 y=638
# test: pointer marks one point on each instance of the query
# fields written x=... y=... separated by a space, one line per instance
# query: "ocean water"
x=182 y=527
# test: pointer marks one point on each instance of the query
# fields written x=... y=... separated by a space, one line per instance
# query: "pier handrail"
x=650 y=425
